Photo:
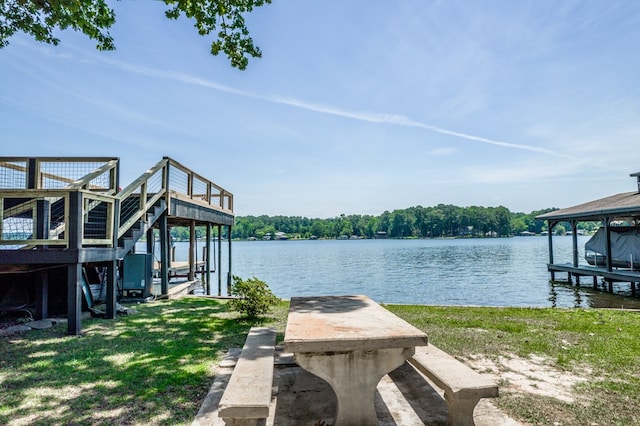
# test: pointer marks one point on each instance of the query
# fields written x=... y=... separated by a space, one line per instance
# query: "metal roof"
x=622 y=205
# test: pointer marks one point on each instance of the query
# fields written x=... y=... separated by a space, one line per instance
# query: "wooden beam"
x=111 y=289
x=207 y=261
x=164 y=254
x=74 y=299
x=192 y=247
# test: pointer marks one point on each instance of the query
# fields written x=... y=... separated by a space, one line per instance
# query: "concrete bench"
x=247 y=396
x=463 y=387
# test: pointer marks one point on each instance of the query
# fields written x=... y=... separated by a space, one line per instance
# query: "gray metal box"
x=137 y=279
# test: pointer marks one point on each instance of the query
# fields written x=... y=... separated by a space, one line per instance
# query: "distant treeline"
x=414 y=222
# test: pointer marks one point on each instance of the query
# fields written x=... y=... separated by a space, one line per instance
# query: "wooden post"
x=574 y=239
x=192 y=247
x=207 y=259
x=32 y=174
x=42 y=296
x=229 y=276
x=633 y=289
x=74 y=298
x=164 y=254
x=74 y=270
x=219 y=260
x=550 y=226
x=595 y=282
x=148 y=279
x=111 y=289
x=43 y=221
x=607 y=229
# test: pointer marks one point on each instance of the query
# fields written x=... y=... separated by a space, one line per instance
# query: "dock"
x=614 y=212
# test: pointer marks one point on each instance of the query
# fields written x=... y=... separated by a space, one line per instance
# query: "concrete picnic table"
x=351 y=342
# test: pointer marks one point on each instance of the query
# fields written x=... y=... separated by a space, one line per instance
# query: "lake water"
x=485 y=272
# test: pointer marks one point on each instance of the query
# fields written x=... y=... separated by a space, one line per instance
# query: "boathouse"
x=63 y=219
x=618 y=214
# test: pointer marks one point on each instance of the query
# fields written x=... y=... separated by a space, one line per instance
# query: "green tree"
x=94 y=18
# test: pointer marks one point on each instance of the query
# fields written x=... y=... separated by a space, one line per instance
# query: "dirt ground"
x=533 y=375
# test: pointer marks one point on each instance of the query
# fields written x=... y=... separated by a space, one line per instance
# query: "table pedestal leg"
x=354 y=376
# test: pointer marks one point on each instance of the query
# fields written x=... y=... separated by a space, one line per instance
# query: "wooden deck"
x=71 y=212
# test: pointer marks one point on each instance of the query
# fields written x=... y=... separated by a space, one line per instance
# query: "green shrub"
x=254 y=297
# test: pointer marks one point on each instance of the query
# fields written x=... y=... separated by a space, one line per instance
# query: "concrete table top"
x=346 y=323
x=351 y=342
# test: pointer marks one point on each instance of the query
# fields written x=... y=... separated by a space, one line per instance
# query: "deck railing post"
x=32 y=173
x=166 y=182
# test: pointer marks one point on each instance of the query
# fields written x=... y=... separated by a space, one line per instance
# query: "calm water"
x=486 y=272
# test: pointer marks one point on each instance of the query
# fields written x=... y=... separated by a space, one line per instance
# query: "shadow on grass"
x=152 y=367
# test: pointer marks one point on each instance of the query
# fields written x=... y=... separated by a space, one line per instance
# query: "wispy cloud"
x=444 y=151
x=383 y=118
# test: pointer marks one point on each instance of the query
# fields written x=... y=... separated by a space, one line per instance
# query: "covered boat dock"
x=616 y=212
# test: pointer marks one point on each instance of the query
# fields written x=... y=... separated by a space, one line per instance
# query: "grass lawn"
x=156 y=366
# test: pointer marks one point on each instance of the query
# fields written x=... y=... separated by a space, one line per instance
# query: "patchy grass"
x=601 y=345
x=155 y=367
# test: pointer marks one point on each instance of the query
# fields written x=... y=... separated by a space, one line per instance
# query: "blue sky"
x=355 y=107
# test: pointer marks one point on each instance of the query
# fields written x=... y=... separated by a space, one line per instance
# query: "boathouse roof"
x=624 y=205
x=620 y=205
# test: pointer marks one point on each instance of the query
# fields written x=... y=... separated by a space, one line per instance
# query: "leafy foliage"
x=40 y=18
x=255 y=298
x=415 y=222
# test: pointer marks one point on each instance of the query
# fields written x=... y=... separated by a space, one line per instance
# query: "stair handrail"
x=144 y=204
x=85 y=182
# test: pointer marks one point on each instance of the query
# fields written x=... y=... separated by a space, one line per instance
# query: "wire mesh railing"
x=185 y=181
x=35 y=197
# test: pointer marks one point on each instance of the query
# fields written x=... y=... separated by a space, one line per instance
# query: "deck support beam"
x=164 y=254
x=42 y=295
x=74 y=271
x=192 y=248
x=551 y=225
x=219 y=260
x=229 y=276
x=74 y=299
x=207 y=261
x=111 y=289
x=607 y=229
